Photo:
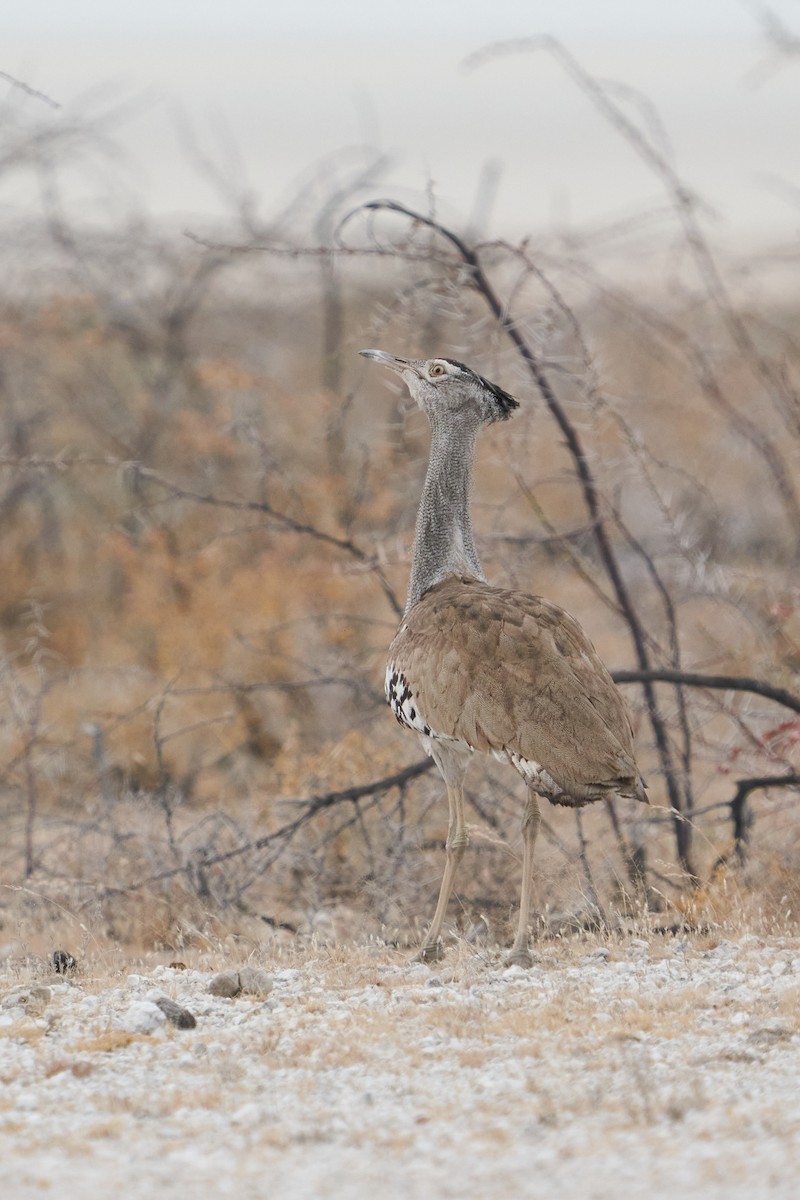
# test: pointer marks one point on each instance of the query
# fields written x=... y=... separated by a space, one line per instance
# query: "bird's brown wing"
x=505 y=671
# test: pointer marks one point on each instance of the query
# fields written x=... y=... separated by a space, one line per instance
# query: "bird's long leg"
x=455 y=846
x=452 y=759
x=519 y=953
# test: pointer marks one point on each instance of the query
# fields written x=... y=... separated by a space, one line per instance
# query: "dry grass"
x=108 y=1041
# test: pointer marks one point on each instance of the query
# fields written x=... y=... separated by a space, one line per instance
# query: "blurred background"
x=265 y=92
x=207 y=499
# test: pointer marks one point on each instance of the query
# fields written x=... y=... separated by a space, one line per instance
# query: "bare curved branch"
x=732 y=683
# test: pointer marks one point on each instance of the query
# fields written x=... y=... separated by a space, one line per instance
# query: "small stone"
x=143 y=1017
x=254 y=981
x=434 y=982
x=227 y=983
x=176 y=1014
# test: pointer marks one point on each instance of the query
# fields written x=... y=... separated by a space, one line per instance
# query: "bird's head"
x=447 y=388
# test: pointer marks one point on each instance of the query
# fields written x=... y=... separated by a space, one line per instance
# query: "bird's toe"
x=430 y=954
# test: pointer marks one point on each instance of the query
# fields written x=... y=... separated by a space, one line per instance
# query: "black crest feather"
x=505 y=402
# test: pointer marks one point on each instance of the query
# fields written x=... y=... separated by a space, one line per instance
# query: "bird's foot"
x=429 y=954
x=519 y=956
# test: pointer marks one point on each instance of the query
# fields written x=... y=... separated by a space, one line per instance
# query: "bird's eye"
x=437 y=369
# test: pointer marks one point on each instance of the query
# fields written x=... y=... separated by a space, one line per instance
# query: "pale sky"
x=269 y=88
x=409 y=18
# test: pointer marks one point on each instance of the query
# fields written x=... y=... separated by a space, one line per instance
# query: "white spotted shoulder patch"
x=402 y=702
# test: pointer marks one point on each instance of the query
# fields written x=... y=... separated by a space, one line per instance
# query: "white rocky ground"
x=638 y=1069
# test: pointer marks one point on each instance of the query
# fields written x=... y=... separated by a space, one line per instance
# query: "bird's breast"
x=403 y=702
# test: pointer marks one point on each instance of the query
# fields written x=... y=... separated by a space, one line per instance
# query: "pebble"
x=176 y=1014
x=255 y=982
x=143 y=1017
x=250 y=980
x=225 y=984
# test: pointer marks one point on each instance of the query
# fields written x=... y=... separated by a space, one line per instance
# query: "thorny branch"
x=311 y=806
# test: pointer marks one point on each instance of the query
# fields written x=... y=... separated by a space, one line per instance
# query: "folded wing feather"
x=504 y=671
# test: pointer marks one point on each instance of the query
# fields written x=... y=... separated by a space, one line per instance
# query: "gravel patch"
x=633 y=1069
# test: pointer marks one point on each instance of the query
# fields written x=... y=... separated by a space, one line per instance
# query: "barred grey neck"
x=443 y=543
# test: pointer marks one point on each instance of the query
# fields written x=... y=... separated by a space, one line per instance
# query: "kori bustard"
x=479 y=668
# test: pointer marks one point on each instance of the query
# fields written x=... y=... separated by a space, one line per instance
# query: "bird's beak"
x=388 y=360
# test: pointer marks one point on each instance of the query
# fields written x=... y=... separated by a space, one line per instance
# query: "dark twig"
x=583 y=855
x=21 y=86
x=671 y=617
x=732 y=683
x=742 y=815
